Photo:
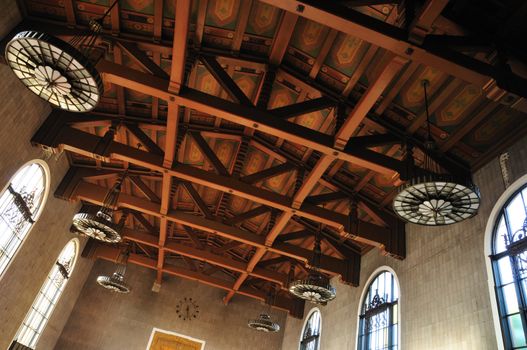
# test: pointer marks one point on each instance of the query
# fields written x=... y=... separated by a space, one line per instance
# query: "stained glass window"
x=509 y=262
x=20 y=203
x=311 y=332
x=48 y=296
x=378 y=321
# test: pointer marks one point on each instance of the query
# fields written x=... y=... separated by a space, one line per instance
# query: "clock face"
x=187 y=309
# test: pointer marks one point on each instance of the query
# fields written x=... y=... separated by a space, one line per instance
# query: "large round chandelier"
x=316 y=288
x=431 y=196
x=264 y=324
x=100 y=225
x=62 y=73
x=116 y=282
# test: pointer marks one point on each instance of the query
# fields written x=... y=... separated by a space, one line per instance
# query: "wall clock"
x=187 y=309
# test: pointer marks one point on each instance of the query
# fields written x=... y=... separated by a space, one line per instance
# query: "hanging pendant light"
x=62 y=73
x=101 y=226
x=316 y=288
x=116 y=282
x=431 y=196
x=264 y=323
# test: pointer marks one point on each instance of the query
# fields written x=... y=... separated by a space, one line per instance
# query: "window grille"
x=47 y=297
x=311 y=332
x=19 y=204
x=509 y=265
x=378 y=326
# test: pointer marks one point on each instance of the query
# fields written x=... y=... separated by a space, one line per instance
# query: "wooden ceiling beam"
x=147 y=191
x=225 y=81
x=260 y=210
x=290 y=236
x=282 y=37
x=268 y=173
x=70 y=13
x=241 y=25
x=158 y=20
x=303 y=107
x=243 y=115
x=141 y=58
x=193 y=237
x=273 y=261
x=368 y=100
x=144 y=221
x=110 y=253
x=227 y=246
x=84 y=143
x=144 y=139
x=95 y=194
x=396 y=40
x=204 y=255
x=207 y=151
x=196 y=198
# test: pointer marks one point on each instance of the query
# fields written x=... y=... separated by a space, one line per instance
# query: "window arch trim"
x=310 y=313
x=373 y=276
x=502 y=201
x=36 y=216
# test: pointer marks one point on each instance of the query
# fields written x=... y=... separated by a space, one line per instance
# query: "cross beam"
x=95 y=194
x=294 y=306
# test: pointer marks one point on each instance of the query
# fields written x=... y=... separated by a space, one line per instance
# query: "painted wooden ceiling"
x=317 y=60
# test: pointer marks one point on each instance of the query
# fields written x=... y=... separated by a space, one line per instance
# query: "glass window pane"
x=500 y=237
x=46 y=299
x=516 y=329
x=505 y=268
x=510 y=298
x=516 y=213
x=30 y=183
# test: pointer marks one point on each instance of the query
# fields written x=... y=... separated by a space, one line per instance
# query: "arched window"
x=509 y=264
x=311 y=332
x=20 y=204
x=48 y=296
x=379 y=314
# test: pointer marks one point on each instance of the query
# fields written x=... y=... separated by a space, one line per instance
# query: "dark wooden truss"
x=156 y=243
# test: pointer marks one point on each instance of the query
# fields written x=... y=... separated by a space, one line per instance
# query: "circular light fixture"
x=97 y=226
x=316 y=289
x=114 y=283
x=264 y=324
x=100 y=226
x=54 y=70
x=431 y=197
x=433 y=200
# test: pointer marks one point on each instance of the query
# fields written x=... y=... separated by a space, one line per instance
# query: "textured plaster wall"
x=445 y=301
x=21 y=113
x=109 y=321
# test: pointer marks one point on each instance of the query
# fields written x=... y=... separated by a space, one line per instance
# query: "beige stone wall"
x=105 y=320
x=445 y=300
x=21 y=113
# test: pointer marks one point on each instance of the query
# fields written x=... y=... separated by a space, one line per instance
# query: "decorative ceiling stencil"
x=223 y=13
x=263 y=20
